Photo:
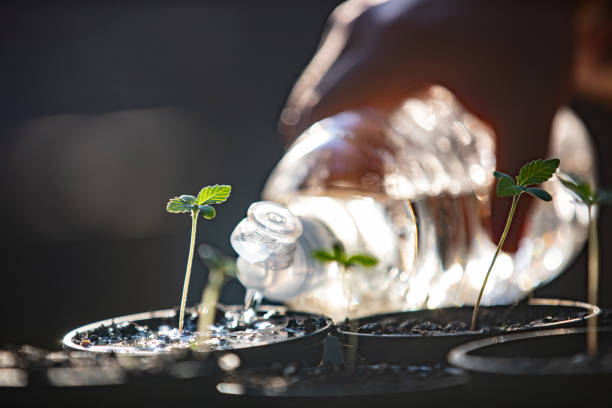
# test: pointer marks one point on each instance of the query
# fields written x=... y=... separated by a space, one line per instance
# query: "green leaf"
x=215 y=260
x=207 y=211
x=339 y=253
x=500 y=175
x=365 y=260
x=214 y=194
x=323 y=256
x=578 y=187
x=507 y=188
x=338 y=249
x=537 y=171
x=189 y=199
x=176 y=205
x=539 y=193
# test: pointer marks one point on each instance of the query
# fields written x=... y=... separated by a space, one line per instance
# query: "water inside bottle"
x=432 y=252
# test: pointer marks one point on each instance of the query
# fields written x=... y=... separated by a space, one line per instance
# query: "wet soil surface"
x=456 y=320
x=161 y=334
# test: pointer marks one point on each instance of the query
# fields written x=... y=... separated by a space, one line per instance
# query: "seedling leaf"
x=539 y=193
x=500 y=175
x=189 y=199
x=537 y=171
x=507 y=188
x=176 y=205
x=323 y=256
x=364 y=260
x=207 y=211
x=579 y=188
x=214 y=194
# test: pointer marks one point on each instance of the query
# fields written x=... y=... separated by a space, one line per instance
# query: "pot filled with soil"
x=30 y=376
x=548 y=367
x=275 y=334
x=343 y=385
x=426 y=336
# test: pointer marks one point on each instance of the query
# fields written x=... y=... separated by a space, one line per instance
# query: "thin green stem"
x=351 y=354
x=499 y=247
x=593 y=278
x=194 y=225
x=210 y=297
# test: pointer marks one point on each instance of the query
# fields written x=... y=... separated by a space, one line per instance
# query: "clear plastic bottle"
x=413 y=190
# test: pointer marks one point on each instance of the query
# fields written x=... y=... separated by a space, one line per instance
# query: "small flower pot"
x=540 y=368
x=33 y=377
x=379 y=385
x=431 y=347
x=306 y=346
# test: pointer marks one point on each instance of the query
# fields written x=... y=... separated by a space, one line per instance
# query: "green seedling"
x=221 y=268
x=532 y=173
x=346 y=263
x=195 y=205
x=593 y=199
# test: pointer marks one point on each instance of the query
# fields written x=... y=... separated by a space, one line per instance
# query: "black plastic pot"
x=380 y=385
x=432 y=348
x=92 y=377
x=307 y=347
x=72 y=378
x=541 y=368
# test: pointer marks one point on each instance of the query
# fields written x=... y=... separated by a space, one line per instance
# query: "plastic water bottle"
x=411 y=189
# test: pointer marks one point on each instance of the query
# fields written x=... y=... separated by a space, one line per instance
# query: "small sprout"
x=202 y=204
x=534 y=172
x=584 y=191
x=592 y=198
x=338 y=255
x=345 y=262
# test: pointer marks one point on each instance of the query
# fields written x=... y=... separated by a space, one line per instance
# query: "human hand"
x=509 y=63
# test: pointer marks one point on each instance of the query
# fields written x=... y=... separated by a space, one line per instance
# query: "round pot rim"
x=169 y=313
x=460 y=356
x=592 y=309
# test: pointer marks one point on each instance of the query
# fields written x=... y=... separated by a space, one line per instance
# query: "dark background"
x=108 y=109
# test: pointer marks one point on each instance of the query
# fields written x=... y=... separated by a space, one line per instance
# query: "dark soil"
x=491 y=319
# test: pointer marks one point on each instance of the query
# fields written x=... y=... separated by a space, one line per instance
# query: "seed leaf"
x=578 y=187
x=539 y=193
x=216 y=260
x=365 y=260
x=537 y=171
x=189 y=199
x=323 y=256
x=214 y=194
x=500 y=175
x=338 y=251
x=507 y=188
x=176 y=205
x=207 y=211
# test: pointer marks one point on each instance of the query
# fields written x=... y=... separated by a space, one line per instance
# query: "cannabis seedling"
x=202 y=204
x=593 y=199
x=534 y=172
x=345 y=263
